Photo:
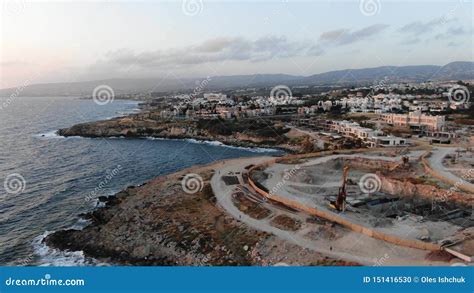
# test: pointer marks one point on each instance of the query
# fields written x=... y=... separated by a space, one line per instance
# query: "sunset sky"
x=76 y=41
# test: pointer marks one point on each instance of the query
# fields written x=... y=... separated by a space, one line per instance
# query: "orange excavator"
x=340 y=203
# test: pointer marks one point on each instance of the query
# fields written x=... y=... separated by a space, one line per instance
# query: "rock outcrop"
x=136 y=127
x=407 y=188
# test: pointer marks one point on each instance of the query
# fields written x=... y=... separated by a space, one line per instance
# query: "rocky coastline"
x=142 y=126
x=159 y=224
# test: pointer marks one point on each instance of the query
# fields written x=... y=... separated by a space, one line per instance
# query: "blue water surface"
x=59 y=173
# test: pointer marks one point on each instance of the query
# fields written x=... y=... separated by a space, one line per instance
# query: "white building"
x=387 y=141
x=213 y=97
x=374 y=138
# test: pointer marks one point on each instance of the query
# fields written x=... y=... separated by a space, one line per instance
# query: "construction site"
x=403 y=206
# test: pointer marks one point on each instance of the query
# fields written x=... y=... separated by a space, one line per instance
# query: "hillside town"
x=382 y=115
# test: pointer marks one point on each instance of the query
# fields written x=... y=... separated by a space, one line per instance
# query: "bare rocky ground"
x=159 y=224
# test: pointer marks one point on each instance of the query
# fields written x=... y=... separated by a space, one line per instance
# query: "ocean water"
x=47 y=180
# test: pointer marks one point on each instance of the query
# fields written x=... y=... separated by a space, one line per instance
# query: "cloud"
x=346 y=36
x=453 y=32
x=437 y=29
x=225 y=49
x=334 y=35
x=214 y=45
x=419 y=28
x=460 y=31
x=213 y=50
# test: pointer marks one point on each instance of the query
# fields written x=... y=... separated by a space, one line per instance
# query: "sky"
x=68 y=41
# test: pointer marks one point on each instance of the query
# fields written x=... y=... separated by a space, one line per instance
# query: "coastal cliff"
x=228 y=133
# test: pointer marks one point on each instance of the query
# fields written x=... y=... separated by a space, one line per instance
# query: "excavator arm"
x=340 y=203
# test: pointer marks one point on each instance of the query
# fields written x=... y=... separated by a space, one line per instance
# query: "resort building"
x=373 y=138
x=415 y=119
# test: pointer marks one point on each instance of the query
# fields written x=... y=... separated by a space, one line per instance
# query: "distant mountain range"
x=365 y=76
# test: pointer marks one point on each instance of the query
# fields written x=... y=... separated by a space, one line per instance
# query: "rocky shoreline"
x=160 y=224
x=141 y=126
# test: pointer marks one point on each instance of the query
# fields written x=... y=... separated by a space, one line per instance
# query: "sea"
x=47 y=181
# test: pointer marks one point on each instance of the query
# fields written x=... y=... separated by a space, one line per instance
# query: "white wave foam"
x=218 y=143
x=53 y=257
x=80 y=224
x=49 y=134
x=126 y=112
x=53 y=134
x=136 y=103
